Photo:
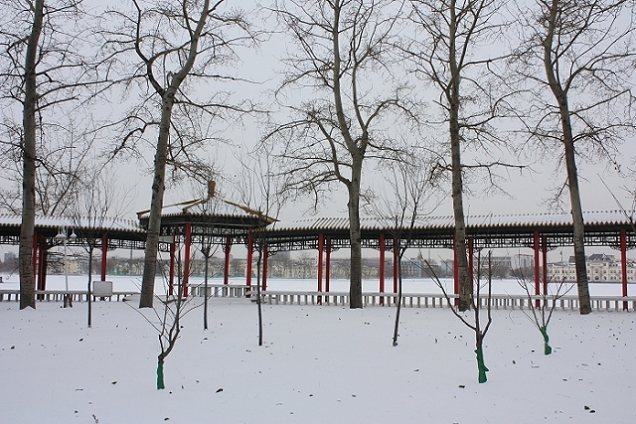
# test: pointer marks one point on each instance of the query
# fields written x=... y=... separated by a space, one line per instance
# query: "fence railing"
x=58 y=295
x=418 y=300
x=409 y=300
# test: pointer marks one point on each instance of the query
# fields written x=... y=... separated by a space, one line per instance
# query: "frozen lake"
x=425 y=286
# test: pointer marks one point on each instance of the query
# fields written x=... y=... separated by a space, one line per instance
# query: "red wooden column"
x=624 y=265
x=173 y=249
x=537 y=273
x=265 y=256
x=327 y=263
x=471 y=265
x=455 y=270
x=226 y=265
x=34 y=254
x=396 y=248
x=186 y=265
x=544 y=251
x=104 y=255
x=248 y=266
x=41 y=275
x=321 y=241
x=44 y=257
x=381 y=270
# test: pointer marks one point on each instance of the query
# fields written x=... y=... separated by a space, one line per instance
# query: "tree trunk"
x=160 y=380
x=560 y=96
x=460 y=226
x=27 y=279
x=479 y=352
x=158 y=187
x=578 y=230
x=158 y=184
x=90 y=280
x=453 y=97
x=205 y=288
x=396 y=327
x=355 y=285
x=258 y=293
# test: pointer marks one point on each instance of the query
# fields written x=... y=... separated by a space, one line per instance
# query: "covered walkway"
x=224 y=223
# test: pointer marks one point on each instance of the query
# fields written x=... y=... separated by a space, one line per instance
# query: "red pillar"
x=226 y=265
x=248 y=266
x=471 y=265
x=537 y=282
x=544 y=251
x=624 y=265
x=104 y=255
x=455 y=271
x=34 y=253
x=265 y=255
x=396 y=249
x=173 y=249
x=381 y=270
x=327 y=263
x=45 y=256
x=321 y=240
x=41 y=284
x=186 y=265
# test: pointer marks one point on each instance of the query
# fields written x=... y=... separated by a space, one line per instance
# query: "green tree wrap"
x=547 y=349
x=482 y=367
x=160 y=384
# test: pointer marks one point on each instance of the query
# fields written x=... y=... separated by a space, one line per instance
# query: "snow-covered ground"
x=318 y=365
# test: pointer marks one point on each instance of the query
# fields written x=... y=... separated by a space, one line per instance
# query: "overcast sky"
x=528 y=191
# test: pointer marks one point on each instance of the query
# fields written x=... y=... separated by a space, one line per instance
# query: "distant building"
x=600 y=268
x=10 y=257
x=10 y=263
x=522 y=261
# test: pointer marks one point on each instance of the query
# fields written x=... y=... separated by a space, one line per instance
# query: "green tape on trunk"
x=546 y=347
x=160 y=384
x=481 y=366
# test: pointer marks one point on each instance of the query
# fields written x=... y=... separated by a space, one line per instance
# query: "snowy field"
x=318 y=365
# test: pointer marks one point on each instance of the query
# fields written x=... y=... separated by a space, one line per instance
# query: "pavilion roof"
x=595 y=218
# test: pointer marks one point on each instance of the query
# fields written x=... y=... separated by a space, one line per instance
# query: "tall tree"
x=44 y=70
x=450 y=57
x=174 y=44
x=576 y=58
x=342 y=62
x=29 y=124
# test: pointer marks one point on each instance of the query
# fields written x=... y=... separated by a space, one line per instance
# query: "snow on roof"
x=106 y=223
x=333 y=223
x=490 y=220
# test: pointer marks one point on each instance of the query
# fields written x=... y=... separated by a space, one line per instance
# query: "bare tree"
x=174 y=45
x=43 y=70
x=260 y=192
x=543 y=308
x=94 y=207
x=341 y=57
x=208 y=247
x=167 y=322
x=451 y=58
x=476 y=324
x=576 y=60
x=410 y=191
